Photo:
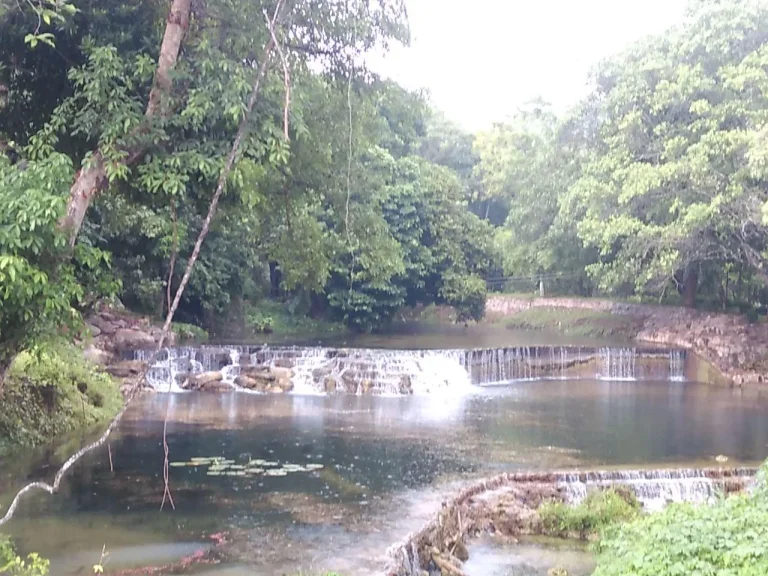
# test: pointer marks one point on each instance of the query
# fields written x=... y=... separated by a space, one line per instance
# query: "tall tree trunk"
x=92 y=179
x=689 y=288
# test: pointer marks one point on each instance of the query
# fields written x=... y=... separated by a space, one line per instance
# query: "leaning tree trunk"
x=92 y=179
x=690 y=286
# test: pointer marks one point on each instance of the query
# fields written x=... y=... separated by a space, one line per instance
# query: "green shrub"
x=53 y=390
x=186 y=332
x=13 y=565
x=727 y=538
x=599 y=509
x=260 y=323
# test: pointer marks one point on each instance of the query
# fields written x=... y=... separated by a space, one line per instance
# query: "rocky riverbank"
x=111 y=334
x=736 y=348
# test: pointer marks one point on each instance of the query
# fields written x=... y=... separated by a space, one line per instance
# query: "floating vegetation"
x=220 y=466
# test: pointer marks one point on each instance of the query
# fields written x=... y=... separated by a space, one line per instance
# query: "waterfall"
x=317 y=370
x=656 y=488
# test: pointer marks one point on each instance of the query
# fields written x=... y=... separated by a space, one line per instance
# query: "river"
x=352 y=474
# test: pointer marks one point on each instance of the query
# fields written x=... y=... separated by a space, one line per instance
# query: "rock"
x=126 y=368
x=250 y=383
x=206 y=382
x=281 y=373
x=262 y=373
x=367 y=386
x=460 y=551
x=276 y=390
x=330 y=385
x=94 y=330
x=285 y=363
x=216 y=387
x=103 y=324
x=129 y=339
x=207 y=378
x=97 y=356
x=405 y=386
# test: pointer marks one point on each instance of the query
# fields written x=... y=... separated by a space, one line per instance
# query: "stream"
x=329 y=482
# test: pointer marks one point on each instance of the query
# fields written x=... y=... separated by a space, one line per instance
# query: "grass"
x=52 y=391
x=576 y=322
x=600 y=509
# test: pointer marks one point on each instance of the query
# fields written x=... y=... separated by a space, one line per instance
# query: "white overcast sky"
x=481 y=59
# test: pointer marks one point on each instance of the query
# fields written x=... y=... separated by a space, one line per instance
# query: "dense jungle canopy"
x=654 y=186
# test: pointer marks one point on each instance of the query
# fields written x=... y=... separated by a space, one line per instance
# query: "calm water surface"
x=387 y=462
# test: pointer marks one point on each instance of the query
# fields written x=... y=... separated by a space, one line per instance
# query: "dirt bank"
x=736 y=348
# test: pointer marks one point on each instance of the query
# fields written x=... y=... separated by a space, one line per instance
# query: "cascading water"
x=318 y=370
x=656 y=488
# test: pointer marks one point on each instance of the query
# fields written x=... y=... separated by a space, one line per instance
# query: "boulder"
x=251 y=383
x=330 y=385
x=216 y=387
x=97 y=356
x=206 y=382
x=276 y=390
x=126 y=368
x=129 y=339
x=94 y=330
x=103 y=324
x=281 y=373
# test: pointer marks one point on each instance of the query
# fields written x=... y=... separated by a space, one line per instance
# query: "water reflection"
x=382 y=458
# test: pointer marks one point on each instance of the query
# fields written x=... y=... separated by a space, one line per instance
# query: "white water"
x=656 y=488
x=394 y=372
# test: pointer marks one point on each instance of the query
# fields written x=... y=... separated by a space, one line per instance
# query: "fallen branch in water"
x=52 y=488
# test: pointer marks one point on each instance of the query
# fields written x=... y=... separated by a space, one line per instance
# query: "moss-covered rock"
x=52 y=391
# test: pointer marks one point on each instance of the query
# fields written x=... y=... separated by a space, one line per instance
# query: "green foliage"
x=40 y=282
x=600 y=509
x=51 y=390
x=727 y=538
x=259 y=322
x=14 y=565
x=189 y=332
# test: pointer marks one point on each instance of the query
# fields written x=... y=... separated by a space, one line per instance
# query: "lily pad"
x=180 y=464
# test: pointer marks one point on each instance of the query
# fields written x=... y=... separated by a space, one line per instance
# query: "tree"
x=674 y=180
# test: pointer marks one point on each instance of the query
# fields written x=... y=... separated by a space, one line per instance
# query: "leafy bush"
x=728 y=538
x=51 y=390
x=599 y=509
x=260 y=322
x=189 y=332
x=14 y=565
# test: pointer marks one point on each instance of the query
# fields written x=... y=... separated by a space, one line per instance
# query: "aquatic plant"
x=219 y=466
x=599 y=509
